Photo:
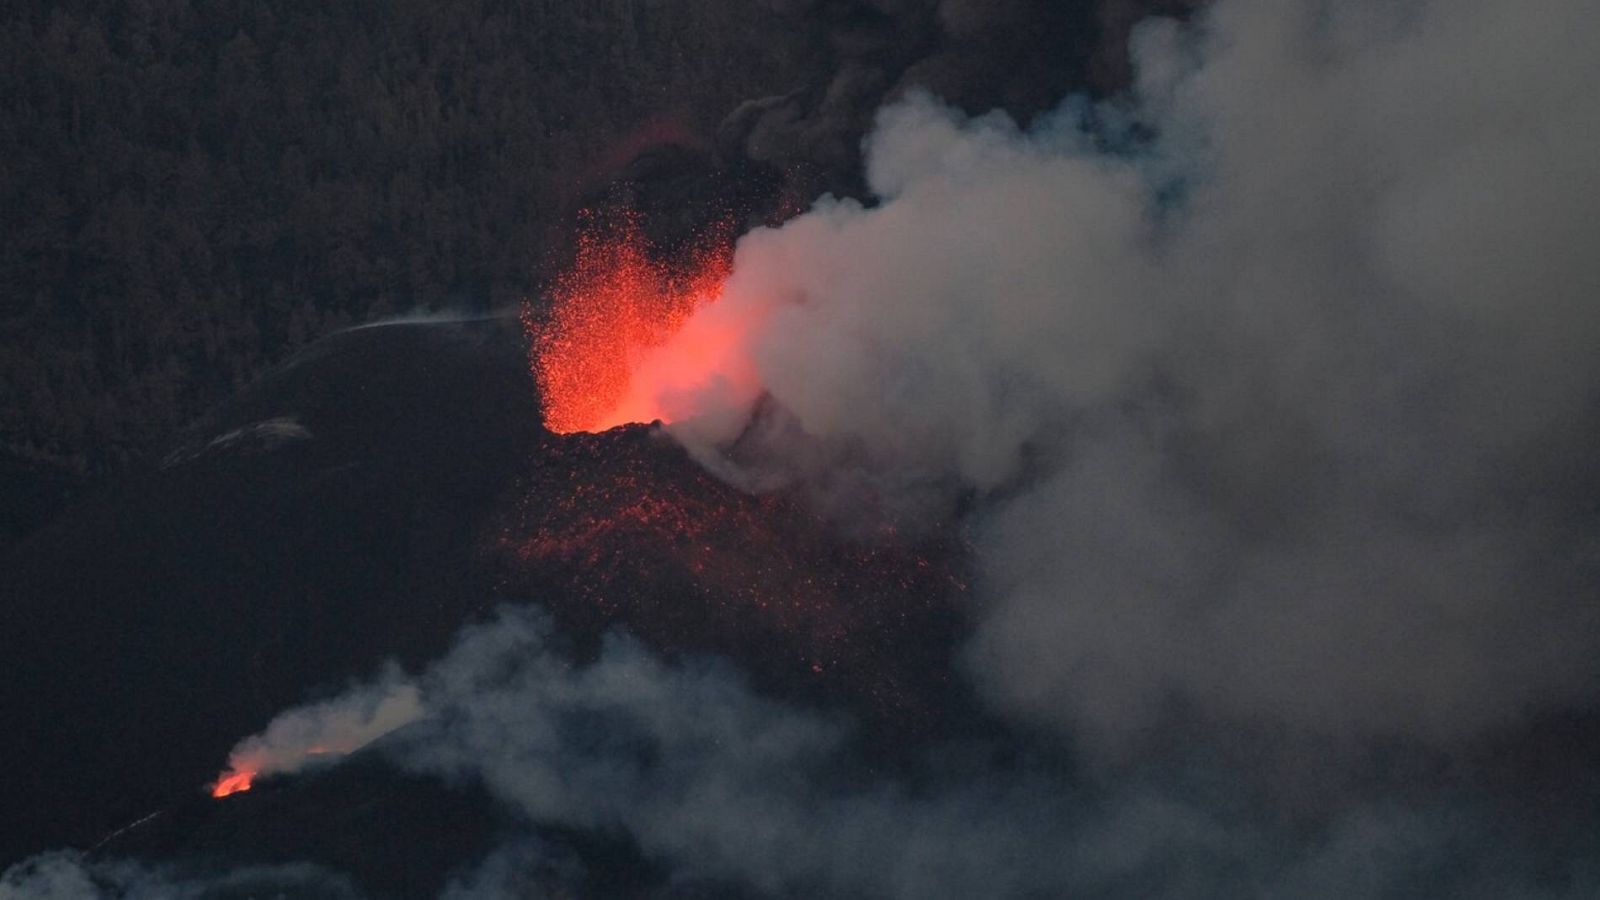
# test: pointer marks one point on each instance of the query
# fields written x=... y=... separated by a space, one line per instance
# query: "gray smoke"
x=1283 y=415
x=722 y=786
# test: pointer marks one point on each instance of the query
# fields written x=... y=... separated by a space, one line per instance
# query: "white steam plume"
x=1283 y=415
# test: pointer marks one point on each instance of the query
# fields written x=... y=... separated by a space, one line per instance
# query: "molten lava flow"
x=608 y=312
x=234 y=781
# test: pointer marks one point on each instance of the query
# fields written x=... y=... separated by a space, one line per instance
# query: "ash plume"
x=727 y=787
x=1276 y=381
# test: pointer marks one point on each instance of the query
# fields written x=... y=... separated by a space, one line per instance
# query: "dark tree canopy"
x=191 y=190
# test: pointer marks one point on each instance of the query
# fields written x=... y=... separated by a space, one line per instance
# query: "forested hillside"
x=190 y=190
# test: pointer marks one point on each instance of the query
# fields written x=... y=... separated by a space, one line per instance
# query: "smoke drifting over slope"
x=326 y=730
x=1283 y=414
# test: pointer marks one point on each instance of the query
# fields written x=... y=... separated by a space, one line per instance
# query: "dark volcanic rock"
x=321 y=524
x=359 y=506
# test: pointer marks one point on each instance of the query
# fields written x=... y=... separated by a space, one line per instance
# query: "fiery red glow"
x=592 y=352
x=234 y=781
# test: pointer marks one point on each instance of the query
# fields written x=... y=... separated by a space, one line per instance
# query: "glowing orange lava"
x=608 y=311
x=235 y=781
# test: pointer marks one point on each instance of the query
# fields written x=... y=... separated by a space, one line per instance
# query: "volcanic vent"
x=616 y=525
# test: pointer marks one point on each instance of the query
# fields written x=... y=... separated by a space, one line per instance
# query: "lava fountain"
x=600 y=353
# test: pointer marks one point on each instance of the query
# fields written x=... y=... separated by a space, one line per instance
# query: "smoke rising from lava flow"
x=328 y=730
x=1285 y=414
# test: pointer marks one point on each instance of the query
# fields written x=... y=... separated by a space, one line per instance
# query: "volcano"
x=360 y=505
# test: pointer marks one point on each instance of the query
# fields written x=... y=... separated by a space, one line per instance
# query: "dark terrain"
x=385 y=487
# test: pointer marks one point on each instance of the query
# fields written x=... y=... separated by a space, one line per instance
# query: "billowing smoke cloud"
x=1280 y=381
x=727 y=787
